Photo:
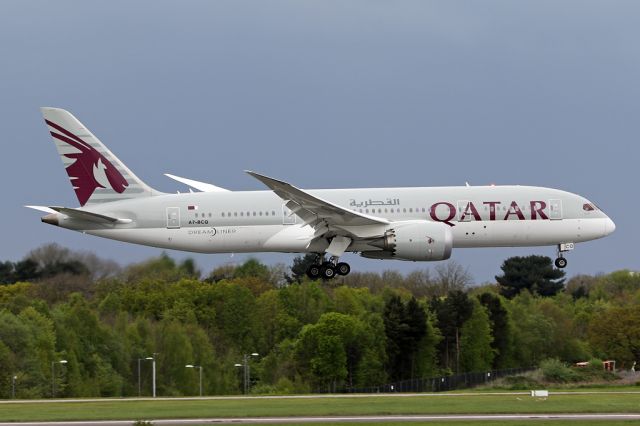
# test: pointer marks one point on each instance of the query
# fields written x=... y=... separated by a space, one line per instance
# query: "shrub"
x=520 y=382
x=554 y=370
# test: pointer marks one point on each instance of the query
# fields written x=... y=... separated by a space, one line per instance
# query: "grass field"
x=106 y=409
x=480 y=422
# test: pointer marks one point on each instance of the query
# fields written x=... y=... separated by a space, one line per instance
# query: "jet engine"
x=417 y=240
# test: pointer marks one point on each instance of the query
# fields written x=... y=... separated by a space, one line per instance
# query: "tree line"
x=363 y=330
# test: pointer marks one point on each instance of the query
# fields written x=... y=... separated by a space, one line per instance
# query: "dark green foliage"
x=533 y=273
x=29 y=270
x=252 y=268
x=309 y=336
x=405 y=326
x=300 y=266
x=476 y=353
x=451 y=313
x=502 y=343
x=554 y=370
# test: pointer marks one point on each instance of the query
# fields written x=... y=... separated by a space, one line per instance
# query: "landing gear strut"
x=561 y=262
x=327 y=270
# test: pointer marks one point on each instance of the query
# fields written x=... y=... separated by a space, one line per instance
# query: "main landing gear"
x=561 y=262
x=327 y=270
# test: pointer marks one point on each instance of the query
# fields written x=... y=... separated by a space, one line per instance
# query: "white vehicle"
x=417 y=224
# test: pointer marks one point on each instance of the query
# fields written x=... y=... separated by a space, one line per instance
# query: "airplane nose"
x=609 y=226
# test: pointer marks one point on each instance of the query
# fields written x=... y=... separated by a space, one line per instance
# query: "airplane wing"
x=314 y=210
x=200 y=186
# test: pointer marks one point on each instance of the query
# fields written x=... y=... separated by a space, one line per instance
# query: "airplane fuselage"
x=257 y=221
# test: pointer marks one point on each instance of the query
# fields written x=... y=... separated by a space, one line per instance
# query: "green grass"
x=250 y=407
x=479 y=422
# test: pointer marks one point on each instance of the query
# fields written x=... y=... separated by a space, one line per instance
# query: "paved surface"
x=341 y=395
x=345 y=419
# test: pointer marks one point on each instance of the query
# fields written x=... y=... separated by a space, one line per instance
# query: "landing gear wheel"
x=327 y=272
x=343 y=268
x=561 y=262
x=313 y=272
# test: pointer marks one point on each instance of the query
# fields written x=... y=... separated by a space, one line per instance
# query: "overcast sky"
x=328 y=94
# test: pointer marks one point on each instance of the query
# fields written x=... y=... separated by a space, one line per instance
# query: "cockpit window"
x=588 y=207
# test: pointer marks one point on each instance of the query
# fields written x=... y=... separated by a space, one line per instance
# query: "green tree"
x=451 y=313
x=476 y=353
x=405 y=329
x=501 y=330
x=300 y=266
x=533 y=273
x=615 y=334
x=332 y=349
x=252 y=268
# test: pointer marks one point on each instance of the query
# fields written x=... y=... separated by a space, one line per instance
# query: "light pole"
x=139 y=381
x=13 y=386
x=53 y=375
x=153 y=367
x=199 y=367
x=247 y=371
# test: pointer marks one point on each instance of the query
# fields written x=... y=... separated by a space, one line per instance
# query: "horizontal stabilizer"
x=42 y=209
x=200 y=186
x=89 y=217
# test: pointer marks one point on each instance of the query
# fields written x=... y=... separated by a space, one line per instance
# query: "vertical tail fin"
x=96 y=174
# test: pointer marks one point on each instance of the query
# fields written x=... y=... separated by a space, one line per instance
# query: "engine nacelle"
x=414 y=240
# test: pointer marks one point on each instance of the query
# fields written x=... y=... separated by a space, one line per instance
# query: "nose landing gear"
x=560 y=261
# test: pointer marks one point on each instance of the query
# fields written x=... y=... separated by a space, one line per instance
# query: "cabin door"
x=555 y=209
x=173 y=217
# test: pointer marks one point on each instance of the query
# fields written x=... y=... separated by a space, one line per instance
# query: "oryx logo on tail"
x=89 y=170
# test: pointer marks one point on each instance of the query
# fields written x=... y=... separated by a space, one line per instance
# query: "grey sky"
x=328 y=94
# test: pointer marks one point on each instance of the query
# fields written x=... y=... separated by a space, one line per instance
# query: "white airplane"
x=416 y=224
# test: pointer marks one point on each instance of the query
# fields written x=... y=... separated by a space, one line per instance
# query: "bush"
x=554 y=370
x=520 y=382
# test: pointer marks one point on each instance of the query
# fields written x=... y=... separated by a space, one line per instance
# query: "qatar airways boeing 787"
x=417 y=224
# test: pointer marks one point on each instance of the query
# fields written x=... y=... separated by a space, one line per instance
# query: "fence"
x=441 y=383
